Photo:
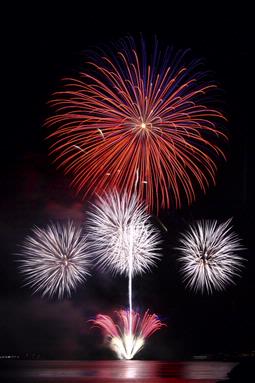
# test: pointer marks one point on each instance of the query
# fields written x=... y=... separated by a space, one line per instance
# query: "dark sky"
x=34 y=192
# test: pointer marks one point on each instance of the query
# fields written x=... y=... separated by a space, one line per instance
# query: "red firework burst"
x=139 y=122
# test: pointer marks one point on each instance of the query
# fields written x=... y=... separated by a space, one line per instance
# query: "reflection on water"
x=114 y=371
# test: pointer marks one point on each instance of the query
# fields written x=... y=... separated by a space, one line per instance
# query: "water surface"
x=114 y=371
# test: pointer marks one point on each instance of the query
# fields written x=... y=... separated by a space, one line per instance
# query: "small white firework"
x=122 y=238
x=209 y=259
x=55 y=260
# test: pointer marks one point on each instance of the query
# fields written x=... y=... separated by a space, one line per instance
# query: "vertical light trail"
x=130 y=276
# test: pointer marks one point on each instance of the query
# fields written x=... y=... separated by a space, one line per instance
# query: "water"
x=114 y=371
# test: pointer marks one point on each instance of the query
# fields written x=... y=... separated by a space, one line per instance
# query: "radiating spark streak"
x=153 y=115
x=137 y=179
x=124 y=343
x=209 y=259
x=102 y=134
x=55 y=259
x=162 y=225
x=78 y=147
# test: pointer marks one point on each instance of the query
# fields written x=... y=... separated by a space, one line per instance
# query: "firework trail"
x=122 y=239
x=140 y=121
x=55 y=259
x=208 y=255
x=121 y=341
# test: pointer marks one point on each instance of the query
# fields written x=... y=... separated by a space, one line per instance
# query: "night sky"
x=33 y=192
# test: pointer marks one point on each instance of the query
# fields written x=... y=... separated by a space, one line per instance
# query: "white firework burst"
x=55 y=260
x=122 y=238
x=209 y=259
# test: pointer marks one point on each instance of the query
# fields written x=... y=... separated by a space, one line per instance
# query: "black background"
x=40 y=51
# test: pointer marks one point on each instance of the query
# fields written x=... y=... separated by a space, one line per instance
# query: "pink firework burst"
x=126 y=337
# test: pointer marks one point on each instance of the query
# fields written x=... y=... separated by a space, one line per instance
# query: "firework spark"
x=55 y=259
x=144 y=122
x=122 y=237
x=124 y=344
x=208 y=255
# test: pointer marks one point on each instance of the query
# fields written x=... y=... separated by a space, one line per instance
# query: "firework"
x=123 y=240
x=54 y=259
x=124 y=344
x=139 y=122
x=209 y=257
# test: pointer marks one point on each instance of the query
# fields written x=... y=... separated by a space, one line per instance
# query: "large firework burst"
x=122 y=239
x=209 y=257
x=120 y=340
x=55 y=259
x=139 y=121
